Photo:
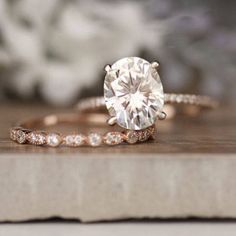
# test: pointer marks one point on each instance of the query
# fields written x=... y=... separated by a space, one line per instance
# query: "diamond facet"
x=79 y=139
x=53 y=139
x=132 y=137
x=113 y=138
x=133 y=93
x=94 y=139
x=69 y=140
x=74 y=140
x=20 y=136
x=36 y=138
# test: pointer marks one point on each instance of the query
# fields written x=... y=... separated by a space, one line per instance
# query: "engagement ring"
x=134 y=96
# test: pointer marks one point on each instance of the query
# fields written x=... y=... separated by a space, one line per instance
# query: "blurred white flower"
x=62 y=47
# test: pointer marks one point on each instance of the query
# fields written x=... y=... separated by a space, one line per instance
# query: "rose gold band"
x=183 y=99
x=28 y=132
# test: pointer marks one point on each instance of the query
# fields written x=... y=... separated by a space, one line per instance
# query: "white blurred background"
x=54 y=51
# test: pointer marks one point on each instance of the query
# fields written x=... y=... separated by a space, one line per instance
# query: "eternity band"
x=28 y=132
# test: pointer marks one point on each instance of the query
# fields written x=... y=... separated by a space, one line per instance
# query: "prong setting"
x=107 y=68
x=111 y=121
x=162 y=115
x=122 y=88
x=155 y=65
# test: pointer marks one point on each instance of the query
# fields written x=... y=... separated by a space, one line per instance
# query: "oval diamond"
x=133 y=93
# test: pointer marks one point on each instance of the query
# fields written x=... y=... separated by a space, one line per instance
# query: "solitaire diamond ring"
x=134 y=96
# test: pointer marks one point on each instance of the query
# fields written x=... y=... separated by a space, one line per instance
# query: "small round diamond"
x=74 y=140
x=36 y=138
x=69 y=140
x=79 y=139
x=113 y=138
x=20 y=136
x=94 y=139
x=53 y=139
x=133 y=93
x=132 y=137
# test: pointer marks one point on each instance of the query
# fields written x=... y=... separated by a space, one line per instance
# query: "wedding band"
x=200 y=101
x=134 y=96
x=28 y=133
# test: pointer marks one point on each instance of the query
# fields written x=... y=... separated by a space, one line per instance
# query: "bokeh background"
x=54 y=51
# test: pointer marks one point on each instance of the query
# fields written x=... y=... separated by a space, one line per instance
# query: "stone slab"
x=121 y=228
x=92 y=187
x=188 y=171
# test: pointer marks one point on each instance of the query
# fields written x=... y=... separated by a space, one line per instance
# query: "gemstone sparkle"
x=53 y=139
x=36 y=138
x=113 y=138
x=94 y=139
x=75 y=140
x=20 y=136
x=133 y=93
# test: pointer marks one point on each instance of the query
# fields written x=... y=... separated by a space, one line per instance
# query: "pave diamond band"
x=93 y=103
x=27 y=133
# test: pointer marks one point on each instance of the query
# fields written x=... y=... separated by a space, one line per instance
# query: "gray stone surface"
x=118 y=229
x=93 y=187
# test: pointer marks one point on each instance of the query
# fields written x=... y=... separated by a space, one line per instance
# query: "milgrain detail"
x=42 y=138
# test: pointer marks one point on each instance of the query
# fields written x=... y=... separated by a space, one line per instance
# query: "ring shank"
x=29 y=132
x=174 y=103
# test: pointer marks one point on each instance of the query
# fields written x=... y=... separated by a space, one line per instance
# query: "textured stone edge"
x=215 y=173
